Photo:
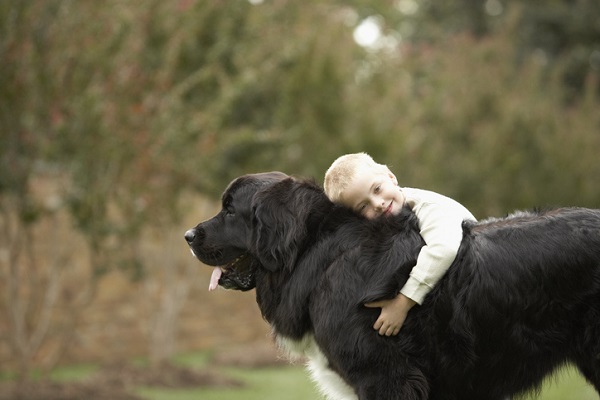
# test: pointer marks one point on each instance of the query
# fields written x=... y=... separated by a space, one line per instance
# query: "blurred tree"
x=461 y=120
x=558 y=32
x=33 y=288
x=173 y=95
x=564 y=32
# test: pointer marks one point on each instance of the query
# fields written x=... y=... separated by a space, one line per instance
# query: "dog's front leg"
x=396 y=385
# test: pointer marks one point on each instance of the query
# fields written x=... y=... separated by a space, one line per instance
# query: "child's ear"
x=392 y=177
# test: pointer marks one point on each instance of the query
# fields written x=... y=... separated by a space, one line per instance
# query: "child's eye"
x=377 y=188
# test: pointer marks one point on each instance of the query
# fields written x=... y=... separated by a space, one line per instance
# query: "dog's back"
x=530 y=298
x=522 y=298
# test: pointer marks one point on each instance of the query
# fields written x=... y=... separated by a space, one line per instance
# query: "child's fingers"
x=378 y=324
x=392 y=331
x=385 y=329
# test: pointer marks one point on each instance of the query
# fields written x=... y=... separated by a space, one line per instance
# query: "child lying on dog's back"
x=371 y=189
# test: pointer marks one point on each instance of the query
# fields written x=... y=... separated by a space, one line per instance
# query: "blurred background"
x=121 y=121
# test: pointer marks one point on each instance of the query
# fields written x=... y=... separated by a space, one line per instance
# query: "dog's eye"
x=229 y=212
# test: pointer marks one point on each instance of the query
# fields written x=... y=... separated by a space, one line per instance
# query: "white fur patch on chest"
x=329 y=383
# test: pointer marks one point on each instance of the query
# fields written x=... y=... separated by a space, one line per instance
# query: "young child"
x=371 y=189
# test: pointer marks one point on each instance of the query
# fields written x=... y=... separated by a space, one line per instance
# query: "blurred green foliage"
x=136 y=101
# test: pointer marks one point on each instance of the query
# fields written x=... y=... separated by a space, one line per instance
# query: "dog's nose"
x=190 y=235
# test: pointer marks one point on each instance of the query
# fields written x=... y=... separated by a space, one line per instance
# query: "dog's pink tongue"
x=214 y=278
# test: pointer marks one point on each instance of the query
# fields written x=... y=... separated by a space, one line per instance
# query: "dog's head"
x=260 y=225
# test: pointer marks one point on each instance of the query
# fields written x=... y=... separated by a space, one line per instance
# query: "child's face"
x=373 y=193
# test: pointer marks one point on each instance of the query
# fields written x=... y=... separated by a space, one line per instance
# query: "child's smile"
x=374 y=193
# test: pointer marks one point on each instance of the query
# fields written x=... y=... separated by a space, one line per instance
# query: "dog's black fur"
x=521 y=299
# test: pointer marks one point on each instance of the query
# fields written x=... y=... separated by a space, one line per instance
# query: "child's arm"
x=442 y=236
x=393 y=314
x=440 y=223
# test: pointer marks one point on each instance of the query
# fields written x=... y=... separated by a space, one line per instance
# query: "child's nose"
x=377 y=203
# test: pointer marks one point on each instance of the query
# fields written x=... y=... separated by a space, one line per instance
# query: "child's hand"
x=393 y=314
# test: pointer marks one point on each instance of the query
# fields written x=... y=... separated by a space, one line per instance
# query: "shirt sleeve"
x=440 y=224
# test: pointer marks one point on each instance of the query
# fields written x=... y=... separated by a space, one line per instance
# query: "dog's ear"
x=278 y=224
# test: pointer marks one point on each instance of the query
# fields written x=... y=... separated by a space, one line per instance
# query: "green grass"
x=293 y=383
x=193 y=359
x=567 y=385
x=290 y=383
x=68 y=373
x=73 y=372
x=260 y=383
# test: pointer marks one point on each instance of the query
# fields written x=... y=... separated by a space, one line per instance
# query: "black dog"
x=521 y=299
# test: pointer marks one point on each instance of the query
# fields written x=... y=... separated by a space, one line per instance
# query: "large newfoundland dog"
x=521 y=299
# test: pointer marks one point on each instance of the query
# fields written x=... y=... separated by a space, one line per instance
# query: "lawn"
x=292 y=383
x=567 y=385
x=289 y=383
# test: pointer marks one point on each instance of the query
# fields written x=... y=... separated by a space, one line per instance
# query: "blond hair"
x=343 y=170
